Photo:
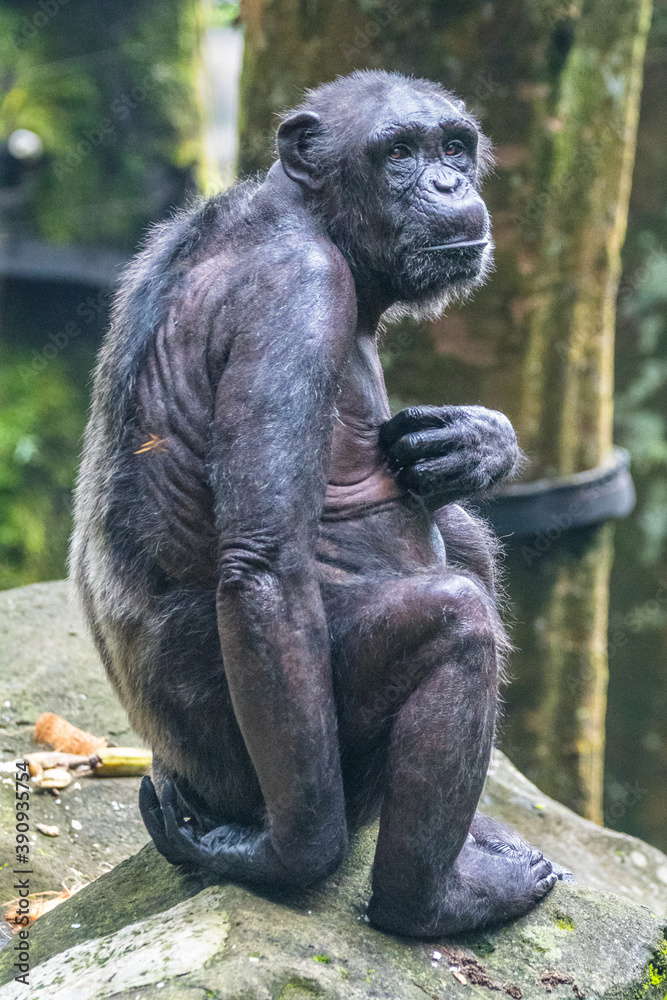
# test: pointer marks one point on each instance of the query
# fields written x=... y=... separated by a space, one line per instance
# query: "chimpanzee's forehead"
x=404 y=106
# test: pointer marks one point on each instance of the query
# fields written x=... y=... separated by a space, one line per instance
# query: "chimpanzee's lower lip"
x=461 y=245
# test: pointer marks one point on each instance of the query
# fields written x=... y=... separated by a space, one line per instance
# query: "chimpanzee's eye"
x=453 y=147
x=400 y=153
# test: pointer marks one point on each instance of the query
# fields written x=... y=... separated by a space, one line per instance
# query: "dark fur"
x=244 y=496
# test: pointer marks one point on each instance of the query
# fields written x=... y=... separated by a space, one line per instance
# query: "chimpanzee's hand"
x=447 y=453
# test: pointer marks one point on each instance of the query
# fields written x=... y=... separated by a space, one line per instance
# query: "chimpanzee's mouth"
x=459 y=245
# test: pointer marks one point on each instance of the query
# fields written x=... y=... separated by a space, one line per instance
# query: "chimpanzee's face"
x=392 y=166
x=425 y=161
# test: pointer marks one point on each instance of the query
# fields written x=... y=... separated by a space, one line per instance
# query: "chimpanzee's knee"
x=471 y=630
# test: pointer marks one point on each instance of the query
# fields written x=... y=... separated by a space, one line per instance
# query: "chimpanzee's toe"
x=174 y=837
x=563 y=874
x=545 y=885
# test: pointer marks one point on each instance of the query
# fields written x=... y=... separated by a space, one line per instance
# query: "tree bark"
x=636 y=759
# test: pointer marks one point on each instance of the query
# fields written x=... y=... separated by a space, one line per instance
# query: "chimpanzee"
x=292 y=605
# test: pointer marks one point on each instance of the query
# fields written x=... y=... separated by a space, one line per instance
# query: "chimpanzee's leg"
x=431 y=644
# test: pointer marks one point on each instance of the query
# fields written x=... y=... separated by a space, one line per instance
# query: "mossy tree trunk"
x=636 y=760
x=110 y=90
x=557 y=87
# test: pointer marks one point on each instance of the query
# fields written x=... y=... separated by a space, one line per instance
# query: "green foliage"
x=42 y=413
x=111 y=90
x=224 y=14
x=112 y=95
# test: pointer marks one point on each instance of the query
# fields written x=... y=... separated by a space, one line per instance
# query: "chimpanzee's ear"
x=294 y=148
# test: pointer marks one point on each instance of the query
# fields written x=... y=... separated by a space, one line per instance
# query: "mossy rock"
x=146 y=930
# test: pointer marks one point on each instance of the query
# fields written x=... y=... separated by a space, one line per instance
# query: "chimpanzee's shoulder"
x=311 y=256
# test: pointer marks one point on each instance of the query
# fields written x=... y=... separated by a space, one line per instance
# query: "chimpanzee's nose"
x=447 y=180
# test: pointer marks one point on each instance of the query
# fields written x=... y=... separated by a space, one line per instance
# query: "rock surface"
x=48 y=664
x=145 y=930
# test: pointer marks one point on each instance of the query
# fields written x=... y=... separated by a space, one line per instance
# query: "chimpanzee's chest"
x=359 y=478
x=368 y=522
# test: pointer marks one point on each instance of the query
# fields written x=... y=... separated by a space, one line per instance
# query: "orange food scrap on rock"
x=62 y=735
x=40 y=903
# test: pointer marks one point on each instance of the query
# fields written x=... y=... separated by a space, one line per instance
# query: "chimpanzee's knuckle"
x=414 y=444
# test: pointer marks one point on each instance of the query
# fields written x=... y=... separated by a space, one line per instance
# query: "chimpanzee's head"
x=393 y=166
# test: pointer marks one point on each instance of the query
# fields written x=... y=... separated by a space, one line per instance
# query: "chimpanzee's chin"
x=427 y=275
x=426 y=284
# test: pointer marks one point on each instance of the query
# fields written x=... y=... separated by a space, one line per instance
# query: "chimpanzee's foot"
x=176 y=824
x=484 y=888
x=493 y=836
x=186 y=834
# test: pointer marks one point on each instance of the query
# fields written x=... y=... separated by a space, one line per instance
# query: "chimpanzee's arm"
x=270 y=451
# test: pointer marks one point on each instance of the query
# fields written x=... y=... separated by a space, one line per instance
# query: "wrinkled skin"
x=293 y=606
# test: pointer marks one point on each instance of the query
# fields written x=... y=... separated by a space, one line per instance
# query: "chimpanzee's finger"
x=414 y=418
x=151 y=813
x=172 y=809
x=447 y=478
x=435 y=443
x=564 y=874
